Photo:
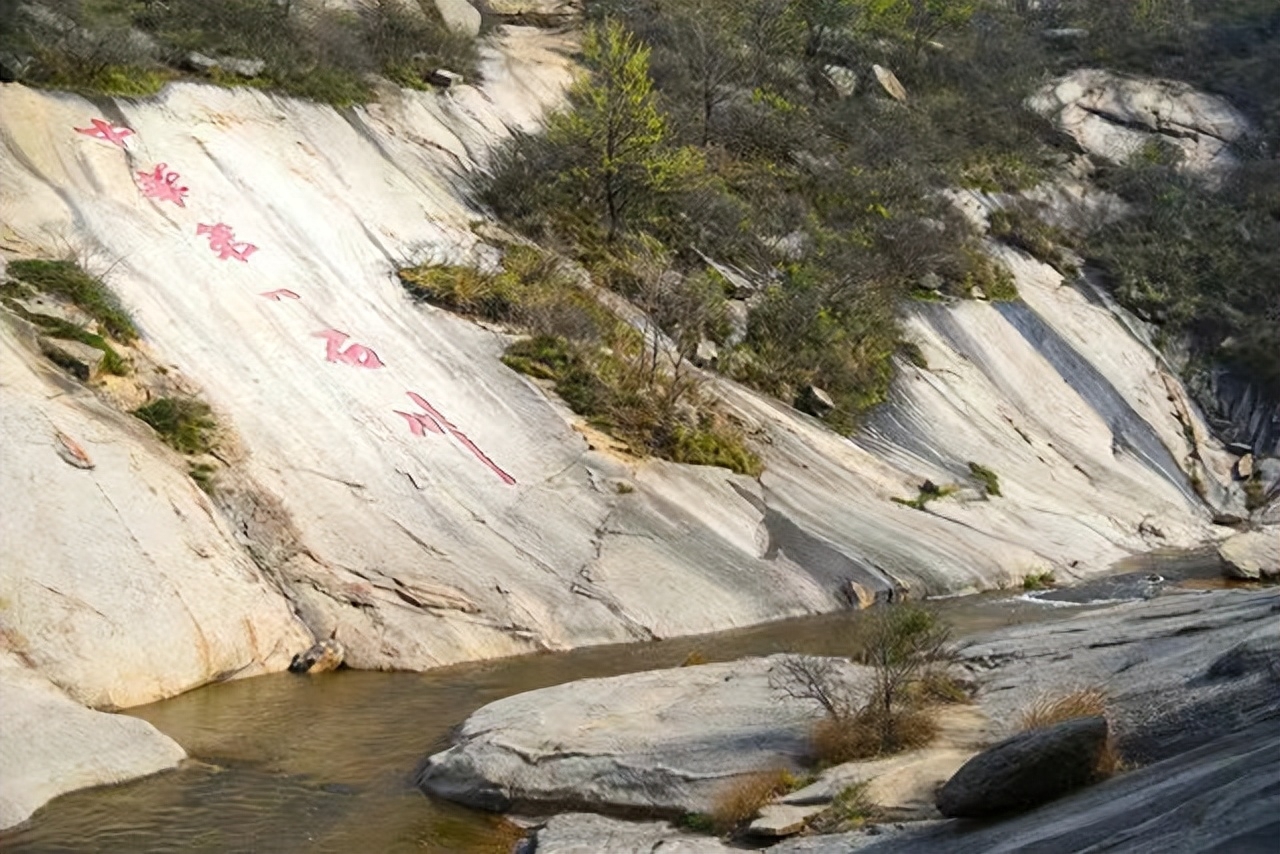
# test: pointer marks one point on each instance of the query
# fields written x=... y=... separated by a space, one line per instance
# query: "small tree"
x=900 y=644
x=624 y=159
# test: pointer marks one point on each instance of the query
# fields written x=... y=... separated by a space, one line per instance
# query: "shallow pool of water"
x=325 y=764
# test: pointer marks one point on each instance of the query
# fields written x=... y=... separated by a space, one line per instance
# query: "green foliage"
x=698 y=822
x=184 y=424
x=990 y=480
x=1038 y=580
x=65 y=279
x=622 y=160
x=56 y=327
x=321 y=54
x=850 y=810
x=205 y=476
x=929 y=491
x=1023 y=228
x=1200 y=262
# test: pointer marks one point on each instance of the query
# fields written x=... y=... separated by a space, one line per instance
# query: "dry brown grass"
x=938 y=685
x=743 y=797
x=1048 y=710
x=865 y=735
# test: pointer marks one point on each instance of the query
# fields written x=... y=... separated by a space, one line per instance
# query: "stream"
x=283 y=763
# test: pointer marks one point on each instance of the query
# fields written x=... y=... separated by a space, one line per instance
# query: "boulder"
x=539 y=13
x=585 y=833
x=890 y=83
x=1114 y=116
x=444 y=78
x=75 y=357
x=1153 y=657
x=777 y=820
x=204 y=64
x=1219 y=797
x=50 y=744
x=815 y=401
x=1026 y=770
x=1252 y=555
x=844 y=82
x=1244 y=467
x=460 y=16
x=321 y=658
x=665 y=741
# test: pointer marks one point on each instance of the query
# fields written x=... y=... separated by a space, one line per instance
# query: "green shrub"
x=929 y=491
x=184 y=424
x=1038 y=580
x=990 y=480
x=65 y=279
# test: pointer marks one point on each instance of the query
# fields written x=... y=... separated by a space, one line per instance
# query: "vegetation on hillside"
x=132 y=47
x=727 y=130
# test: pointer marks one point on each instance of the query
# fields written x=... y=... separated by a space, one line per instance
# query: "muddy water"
x=325 y=764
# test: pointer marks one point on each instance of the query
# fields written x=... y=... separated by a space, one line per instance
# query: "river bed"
x=283 y=763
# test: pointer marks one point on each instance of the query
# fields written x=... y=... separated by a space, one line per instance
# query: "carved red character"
x=432 y=421
x=279 y=294
x=222 y=240
x=356 y=355
x=106 y=132
x=162 y=185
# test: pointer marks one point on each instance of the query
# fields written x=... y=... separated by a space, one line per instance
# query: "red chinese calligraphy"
x=106 y=132
x=222 y=240
x=162 y=185
x=356 y=355
x=432 y=421
x=279 y=294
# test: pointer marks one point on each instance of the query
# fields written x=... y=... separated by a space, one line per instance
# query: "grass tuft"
x=743 y=797
x=65 y=279
x=184 y=424
x=1039 y=580
x=1048 y=710
x=990 y=480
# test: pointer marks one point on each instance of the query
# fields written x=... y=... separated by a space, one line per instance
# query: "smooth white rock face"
x=585 y=833
x=1114 y=116
x=1253 y=554
x=414 y=547
x=49 y=744
x=120 y=583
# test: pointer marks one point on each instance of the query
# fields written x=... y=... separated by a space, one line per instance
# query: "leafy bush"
x=321 y=54
x=990 y=480
x=183 y=423
x=67 y=280
x=1038 y=580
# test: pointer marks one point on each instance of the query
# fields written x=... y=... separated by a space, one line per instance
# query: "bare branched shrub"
x=906 y=649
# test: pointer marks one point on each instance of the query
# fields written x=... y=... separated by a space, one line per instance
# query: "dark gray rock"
x=815 y=401
x=1154 y=659
x=1222 y=797
x=444 y=78
x=1026 y=771
x=75 y=357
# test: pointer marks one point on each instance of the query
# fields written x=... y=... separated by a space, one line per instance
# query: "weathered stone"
x=444 y=78
x=460 y=16
x=199 y=62
x=325 y=656
x=1065 y=34
x=977 y=293
x=665 y=741
x=75 y=357
x=777 y=820
x=1244 y=467
x=1253 y=554
x=544 y=13
x=707 y=354
x=1113 y=116
x=50 y=744
x=585 y=833
x=1219 y=797
x=890 y=83
x=815 y=401
x=1026 y=770
x=13 y=66
x=843 y=80
x=1154 y=659
x=244 y=67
